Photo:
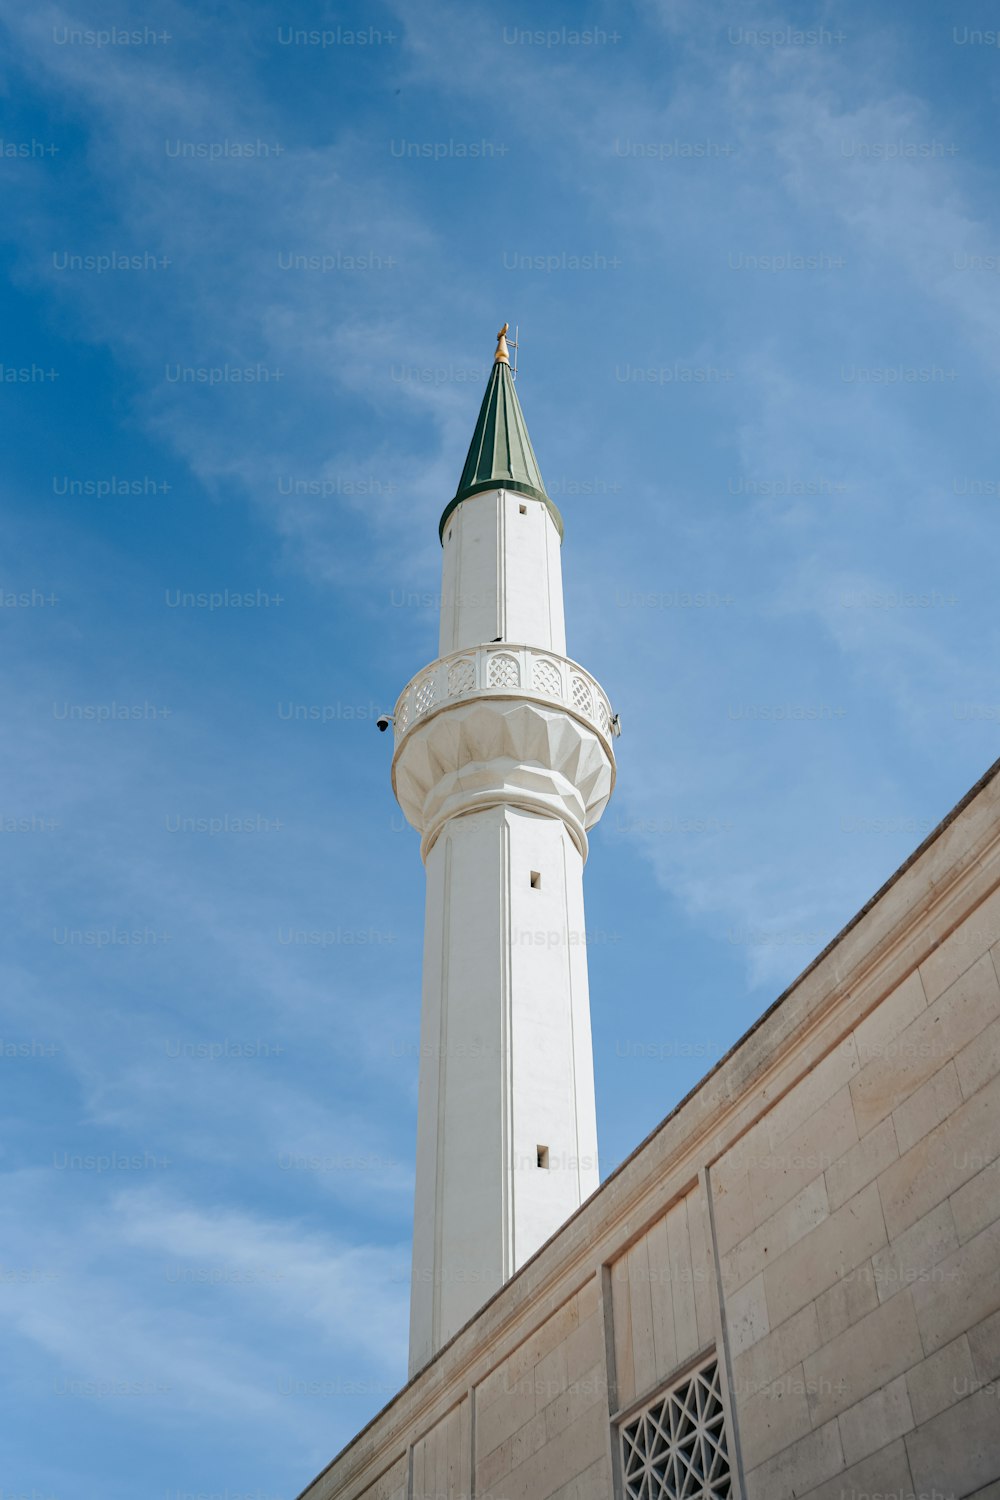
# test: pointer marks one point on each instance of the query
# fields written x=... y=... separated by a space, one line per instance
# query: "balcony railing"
x=503 y=671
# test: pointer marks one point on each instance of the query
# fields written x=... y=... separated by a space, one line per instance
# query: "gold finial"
x=501 y=356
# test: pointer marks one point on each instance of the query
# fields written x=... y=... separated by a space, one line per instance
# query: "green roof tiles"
x=500 y=455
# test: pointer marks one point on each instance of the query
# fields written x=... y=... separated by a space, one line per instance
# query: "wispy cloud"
x=752 y=527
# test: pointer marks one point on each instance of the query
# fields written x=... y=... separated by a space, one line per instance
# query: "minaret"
x=503 y=760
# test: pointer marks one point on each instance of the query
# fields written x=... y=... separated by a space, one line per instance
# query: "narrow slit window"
x=536 y=880
x=543 y=1157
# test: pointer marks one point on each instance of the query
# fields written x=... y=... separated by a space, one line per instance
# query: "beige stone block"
x=946 y=1376
x=588 y=1300
x=912 y=1254
x=885 y=1475
x=549 y=1375
x=702 y=1269
x=939 y=1164
x=875 y=1421
x=823 y=1080
x=984 y=1346
x=641 y=1303
x=846 y=1302
x=774 y=1418
x=576 y=1449
x=552 y=1332
x=589 y=1390
x=732 y=1209
x=862 y=1163
x=957 y=1450
x=863 y=1358
x=492 y=1469
x=454 y=1453
x=593 y=1484
x=664 y=1270
x=526 y=1440
x=940 y=1031
x=491 y=1382
x=800 y=1468
x=682 y=1287
x=980 y=1060
x=874 y=1034
x=979 y=932
x=784 y=1229
x=422 y=1482
x=516 y=1369
x=843 y=1241
x=961 y=1291
x=391 y=1485
x=520 y=1361
x=424 y=1477
x=933 y=1102
x=622 y=1324
x=733 y=1161
x=507 y=1409
x=976 y=1204
x=775 y=1353
x=783 y=1170
x=746 y=1315
x=585 y=1346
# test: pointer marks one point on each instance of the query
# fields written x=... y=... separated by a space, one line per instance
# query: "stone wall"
x=858 y=1230
x=821 y=1216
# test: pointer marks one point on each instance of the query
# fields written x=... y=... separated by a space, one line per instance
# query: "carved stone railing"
x=502 y=671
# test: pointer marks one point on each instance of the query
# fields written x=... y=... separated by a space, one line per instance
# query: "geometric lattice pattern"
x=461 y=676
x=486 y=669
x=603 y=714
x=676 y=1448
x=581 y=696
x=504 y=671
x=424 y=696
x=548 y=678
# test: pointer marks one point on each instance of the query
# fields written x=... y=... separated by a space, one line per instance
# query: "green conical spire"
x=500 y=455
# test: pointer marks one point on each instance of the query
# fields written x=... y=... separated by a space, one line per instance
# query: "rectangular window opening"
x=536 y=880
x=543 y=1156
x=522 y=510
x=657 y=1458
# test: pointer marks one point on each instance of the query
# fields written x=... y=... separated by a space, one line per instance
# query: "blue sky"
x=753 y=256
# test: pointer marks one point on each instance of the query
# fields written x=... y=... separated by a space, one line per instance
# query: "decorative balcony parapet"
x=503 y=671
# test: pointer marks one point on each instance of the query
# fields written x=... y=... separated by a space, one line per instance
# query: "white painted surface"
x=502 y=574
x=506 y=1063
x=500 y=785
x=487 y=750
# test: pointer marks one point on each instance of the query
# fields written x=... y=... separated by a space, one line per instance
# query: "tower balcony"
x=502 y=724
x=503 y=671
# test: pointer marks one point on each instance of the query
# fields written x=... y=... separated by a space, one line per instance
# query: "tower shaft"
x=501 y=575
x=503 y=761
x=506 y=1062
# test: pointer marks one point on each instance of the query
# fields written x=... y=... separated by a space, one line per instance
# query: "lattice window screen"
x=461 y=676
x=675 y=1448
x=425 y=695
x=504 y=671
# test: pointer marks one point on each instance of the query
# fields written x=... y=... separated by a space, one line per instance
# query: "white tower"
x=503 y=761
